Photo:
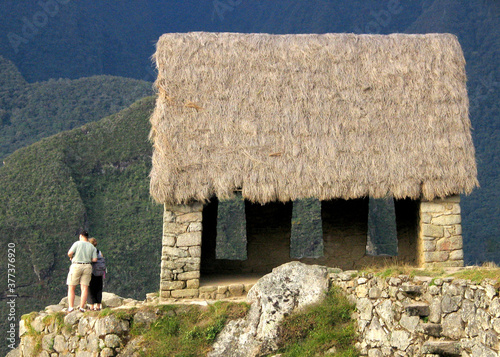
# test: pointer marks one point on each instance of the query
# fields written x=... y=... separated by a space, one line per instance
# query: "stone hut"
x=262 y=141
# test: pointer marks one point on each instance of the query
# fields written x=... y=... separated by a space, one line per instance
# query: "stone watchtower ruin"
x=262 y=140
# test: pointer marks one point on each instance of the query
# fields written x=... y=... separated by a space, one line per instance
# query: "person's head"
x=84 y=235
x=93 y=241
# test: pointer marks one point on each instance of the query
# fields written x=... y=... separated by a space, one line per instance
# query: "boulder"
x=111 y=300
x=289 y=288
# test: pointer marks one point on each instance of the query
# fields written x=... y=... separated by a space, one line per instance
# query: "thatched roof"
x=283 y=117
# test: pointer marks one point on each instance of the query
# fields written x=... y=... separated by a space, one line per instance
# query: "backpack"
x=99 y=267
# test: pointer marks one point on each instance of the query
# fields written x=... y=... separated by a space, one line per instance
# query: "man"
x=82 y=253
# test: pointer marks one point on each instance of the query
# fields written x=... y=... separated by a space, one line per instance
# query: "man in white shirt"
x=82 y=253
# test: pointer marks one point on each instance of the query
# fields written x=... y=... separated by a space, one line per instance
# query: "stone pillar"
x=181 y=251
x=440 y=233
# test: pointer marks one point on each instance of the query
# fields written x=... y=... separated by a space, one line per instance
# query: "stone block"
x=166 y=274
x=400 y=339
x=432 y=207
x=442 y=348
x=436 y=257
x=450 y=303
x=447 y=220
x=189 y=260
x=456 y=242
x=189 y=217
x=457 y=255
x=168 y=216
x=106 y=352
x=195 y=251
x=165 y=294
x=221 y=289
x=374 y=292
x=417 y=309
x=431 y=230
x=207 y=289
x=111 y=324
x=453 y=208
x=364 y=307
x=174 y=228
x=168 y=240
x=412 y=290
x=429 y=245
x=236 y=289
x=409 y=322
x=48 y=342
x=189 y=275
x=435 y=310
x=195 y=227
x=451 y=243
x=453 y=326
x=174 y=252
x=184 y=293
x=432 y=329
x=193 y=284
x=168 y=264
x=189 y=239
x=172 y=285
x=425 y=217
x=451 y=263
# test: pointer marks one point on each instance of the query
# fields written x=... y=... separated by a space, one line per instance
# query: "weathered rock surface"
x=289 y=287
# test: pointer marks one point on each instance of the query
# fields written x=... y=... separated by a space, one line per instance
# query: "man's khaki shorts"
x=79 y=274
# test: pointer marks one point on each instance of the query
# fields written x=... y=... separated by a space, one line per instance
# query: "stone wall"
x=441 y=233
x=181 y=251
x=421 y=316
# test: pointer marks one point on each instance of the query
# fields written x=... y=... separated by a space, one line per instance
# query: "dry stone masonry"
x=441 y=233
x=401 y=316
x=181 y=251
x=396 y=316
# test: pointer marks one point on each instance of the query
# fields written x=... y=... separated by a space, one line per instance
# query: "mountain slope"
x=93 y=177
x=30 y=112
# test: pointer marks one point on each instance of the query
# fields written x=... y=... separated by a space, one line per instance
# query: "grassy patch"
x=188 y=330
x=479 y=274
x=393 y=270
x=320 y=328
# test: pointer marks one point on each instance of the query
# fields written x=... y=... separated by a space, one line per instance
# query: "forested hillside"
x=32 y=111
x=94 y=176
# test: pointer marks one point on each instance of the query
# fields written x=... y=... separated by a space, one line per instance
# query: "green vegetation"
x=93 y=177
x=325 y=327
x=474 y=273
x=30 y=112
x=479 y=274
x=187 y=330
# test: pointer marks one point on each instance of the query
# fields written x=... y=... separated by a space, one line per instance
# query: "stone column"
x=441 y=233
x=181 y=251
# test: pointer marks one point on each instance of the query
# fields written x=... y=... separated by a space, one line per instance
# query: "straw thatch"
x=283 y=117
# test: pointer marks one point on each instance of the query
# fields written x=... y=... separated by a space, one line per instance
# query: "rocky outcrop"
x=53 y=332
x=421 y=316
x=396 y=316
x=289 y=287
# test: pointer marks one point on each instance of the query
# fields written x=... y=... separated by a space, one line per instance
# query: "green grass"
x=184 y=331
x=479 y=274
x=320 y=328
